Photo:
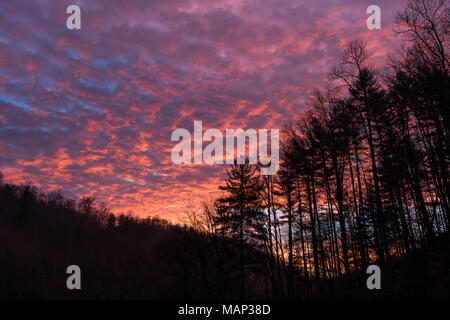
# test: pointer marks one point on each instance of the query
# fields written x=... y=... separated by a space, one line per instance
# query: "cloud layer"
x=91 y=111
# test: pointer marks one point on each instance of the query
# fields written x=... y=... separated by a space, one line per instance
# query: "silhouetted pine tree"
x=240 y=212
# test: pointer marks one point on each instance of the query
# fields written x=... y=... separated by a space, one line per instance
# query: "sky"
x=90 y=112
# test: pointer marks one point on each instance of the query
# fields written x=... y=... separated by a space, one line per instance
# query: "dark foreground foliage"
x=124 y=257
x=130 y=258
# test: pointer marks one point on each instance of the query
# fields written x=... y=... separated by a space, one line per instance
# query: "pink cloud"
x=90 y=112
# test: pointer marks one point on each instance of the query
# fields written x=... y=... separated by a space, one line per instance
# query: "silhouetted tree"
x=240 y=208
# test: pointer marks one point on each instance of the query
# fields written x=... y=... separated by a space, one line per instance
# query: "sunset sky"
x=90 y=112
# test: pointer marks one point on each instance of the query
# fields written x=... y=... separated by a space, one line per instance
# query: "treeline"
x=364 y=173
x=120 y=256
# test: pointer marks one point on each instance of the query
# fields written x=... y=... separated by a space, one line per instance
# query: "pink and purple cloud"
x=91 y=111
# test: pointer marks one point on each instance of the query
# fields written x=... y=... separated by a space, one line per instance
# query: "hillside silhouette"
x=120 y=258
x=131 y=258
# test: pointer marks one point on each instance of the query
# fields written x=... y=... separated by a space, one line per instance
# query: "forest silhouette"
x=363 y=179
